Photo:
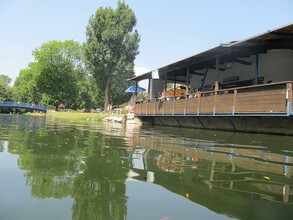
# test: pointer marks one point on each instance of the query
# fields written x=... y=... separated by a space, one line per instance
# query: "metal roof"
x=279 y=38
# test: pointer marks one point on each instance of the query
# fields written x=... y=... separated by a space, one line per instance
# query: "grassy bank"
x=78 y=116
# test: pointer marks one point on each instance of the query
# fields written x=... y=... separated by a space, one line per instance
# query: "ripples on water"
x=106 y=171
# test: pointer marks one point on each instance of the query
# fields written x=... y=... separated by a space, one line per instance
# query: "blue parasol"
x=133 y=89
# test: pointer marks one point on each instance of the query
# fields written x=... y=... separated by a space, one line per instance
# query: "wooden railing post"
x=185 y=104
x=164 y=106
x=174 y=104
x=199 y=104
x=155 y=108
x=234 y=102
x=215 y=103
x=289 y=98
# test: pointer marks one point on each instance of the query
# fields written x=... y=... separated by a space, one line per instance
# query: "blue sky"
x=170 y=30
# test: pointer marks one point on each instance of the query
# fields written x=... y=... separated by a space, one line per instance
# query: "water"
x=54 y=169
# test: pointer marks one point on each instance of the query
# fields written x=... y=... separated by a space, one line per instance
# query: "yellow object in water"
x=266 y=177
x=187 y=195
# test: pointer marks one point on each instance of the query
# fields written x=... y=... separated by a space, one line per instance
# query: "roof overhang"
x=280 y=38
x=147 y=75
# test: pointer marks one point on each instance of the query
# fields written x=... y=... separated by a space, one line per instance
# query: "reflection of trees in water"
x=1 y=146
x=26 y=123
x=76 y=163
x=102 y=184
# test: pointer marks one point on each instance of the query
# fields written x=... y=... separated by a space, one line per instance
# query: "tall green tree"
x=6 y=92
x=57 y=75
x=61 y=67
x=111 y=46
x=25 y=85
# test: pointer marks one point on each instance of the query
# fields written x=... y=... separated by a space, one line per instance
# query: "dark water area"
x=56 y=169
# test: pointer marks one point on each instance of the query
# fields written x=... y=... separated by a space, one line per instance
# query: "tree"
x=61 y=67
x=56 y=75
x=6 y=93
x=88 y=97
x=5 y=79
x=111 y=46
x=25 y=84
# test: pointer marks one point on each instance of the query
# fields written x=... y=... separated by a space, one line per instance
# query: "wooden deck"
x=269 y=99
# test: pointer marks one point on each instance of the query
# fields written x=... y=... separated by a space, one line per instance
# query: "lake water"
x=55 y=169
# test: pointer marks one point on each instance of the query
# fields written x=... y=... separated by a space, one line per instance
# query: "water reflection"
x=236 y=175
x=243 y=181
x=62 y=162
x=24 y=122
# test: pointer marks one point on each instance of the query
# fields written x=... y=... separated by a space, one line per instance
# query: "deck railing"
x=267 y=99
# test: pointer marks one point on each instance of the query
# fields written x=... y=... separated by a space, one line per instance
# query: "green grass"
x=78 y=116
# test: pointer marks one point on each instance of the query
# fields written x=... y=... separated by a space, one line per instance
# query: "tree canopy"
x=26 y=84
x=6 y=92
x=60 y=68
x=57 y=75
x=111 y=47
x=5 y=79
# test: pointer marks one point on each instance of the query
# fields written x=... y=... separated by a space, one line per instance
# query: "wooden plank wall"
x=262 y=101
x=207 y=105
x=265 y=99
x=192 y=107
x=224 y=103
x=179 y=106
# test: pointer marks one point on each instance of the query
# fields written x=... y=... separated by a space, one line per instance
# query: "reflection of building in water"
x=137 y=159
x=238 y=180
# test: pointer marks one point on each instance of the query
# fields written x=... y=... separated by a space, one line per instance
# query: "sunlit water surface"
x=55 y=169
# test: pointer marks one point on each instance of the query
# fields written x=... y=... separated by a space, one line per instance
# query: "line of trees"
x=88 y=75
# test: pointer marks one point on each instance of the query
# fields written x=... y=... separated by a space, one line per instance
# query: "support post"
x=149 y=90
x=187 y=89
x=256 y=70
x=204 y=78
x=166 y=76
x=136 y=88
x=174 y=86
x=218 y=73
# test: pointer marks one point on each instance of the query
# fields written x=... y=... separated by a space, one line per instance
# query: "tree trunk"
x=107 y=93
